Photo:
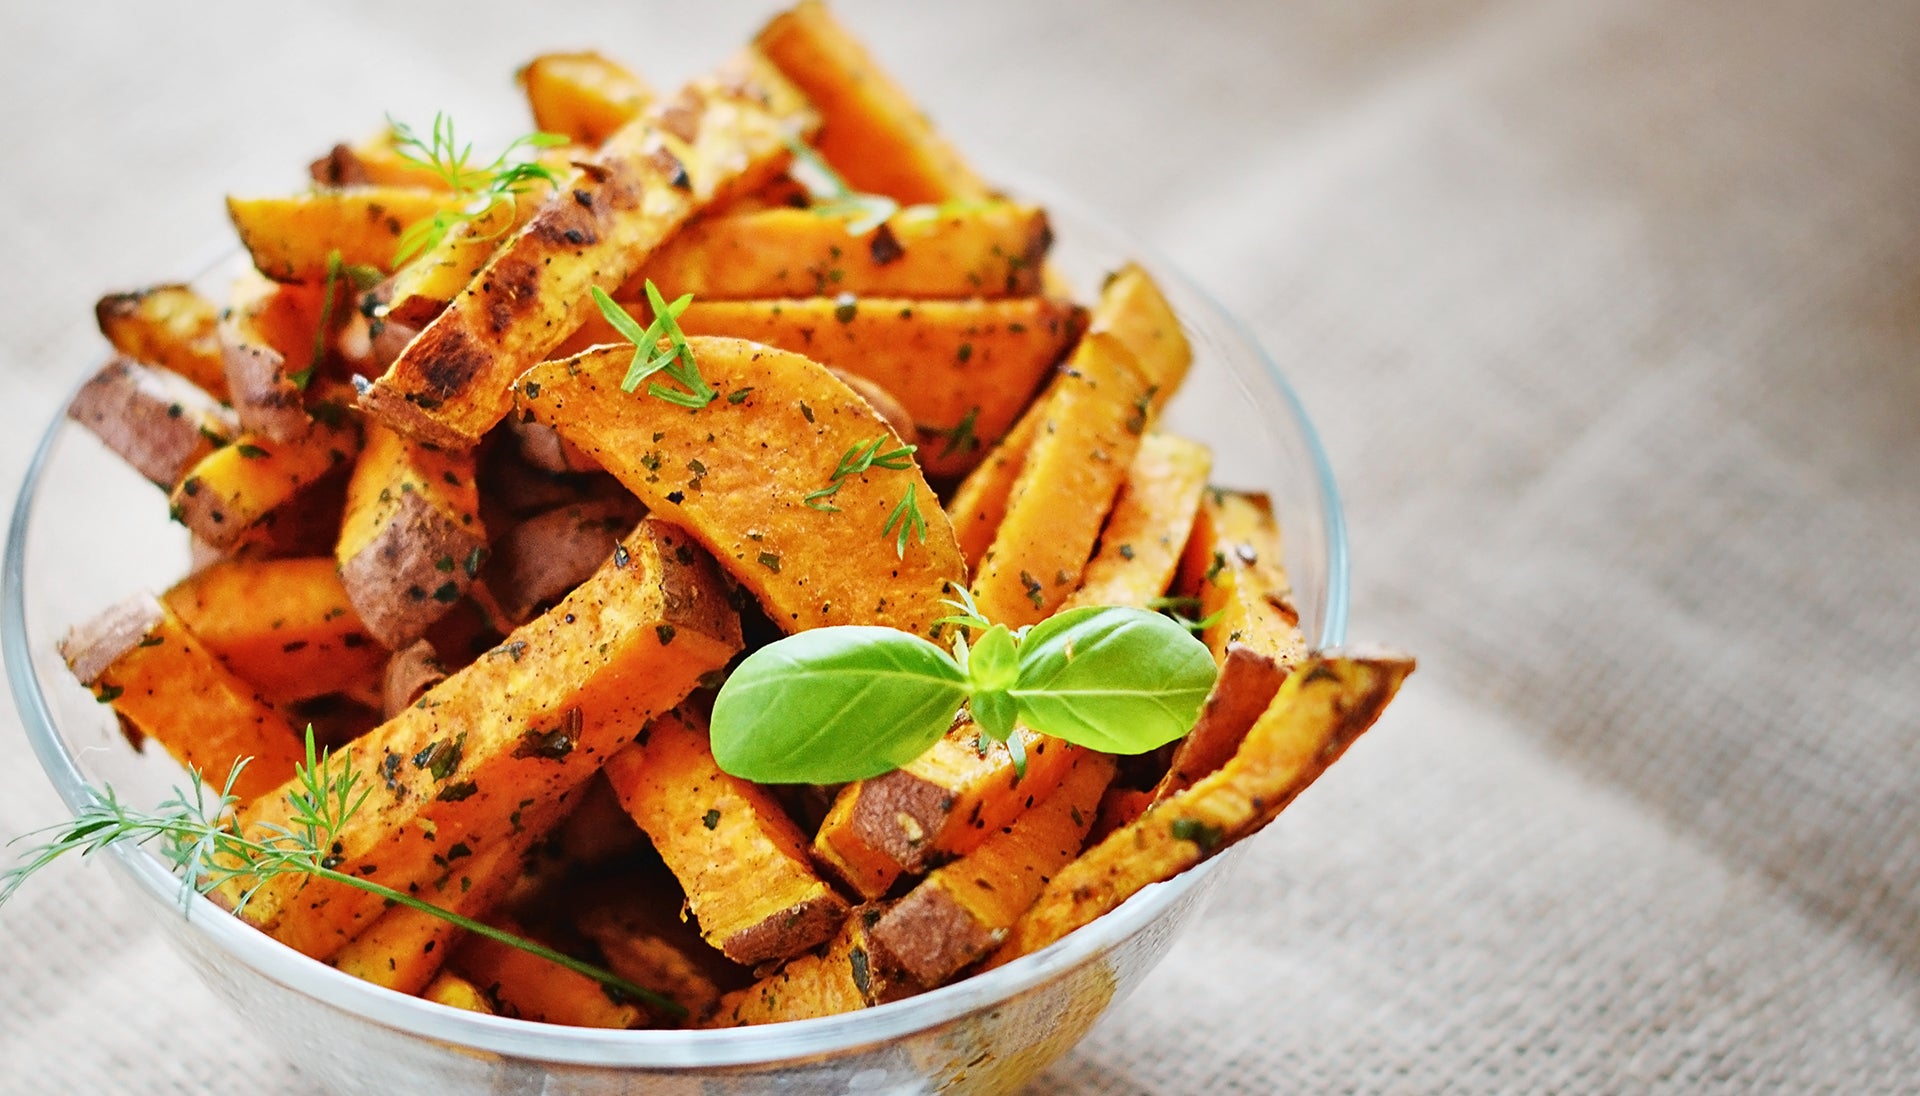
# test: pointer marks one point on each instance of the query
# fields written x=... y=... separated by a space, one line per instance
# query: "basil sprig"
x=845 y=703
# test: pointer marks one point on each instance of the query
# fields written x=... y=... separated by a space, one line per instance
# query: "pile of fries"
x=497 y=551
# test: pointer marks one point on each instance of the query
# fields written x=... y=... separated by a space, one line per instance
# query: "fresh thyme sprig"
x=833 y=197
x=503 y=180
x=203 y=843
x=648 y=358
x=856 y=461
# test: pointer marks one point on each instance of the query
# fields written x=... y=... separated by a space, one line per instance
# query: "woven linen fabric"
x=1609 y=315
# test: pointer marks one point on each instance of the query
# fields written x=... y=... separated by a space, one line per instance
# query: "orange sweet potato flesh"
x=990 y=249
x=1233 y=564
x=291 y=237
x=963 y=369
x=963 y=910
x=872 y=133
x=1092 y=420
x=154 y=419
x=454 y=991
x=238 y=490
x=267 y=336
x=722 y=134
x=411 y=541
x=526 y=722
x=1247 y=683
x=140 y=658
x=941 y=804
x=1133 y=313
x=284 y=626
x=737 y=472
x=842 y=977
x=169 y=326
x=585 y=96
x=1324 y=706
x=405 y=948
x=740 y=859
x=1141 y=544
x=527 y=987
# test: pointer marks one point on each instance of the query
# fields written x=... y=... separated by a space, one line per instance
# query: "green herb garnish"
x=960 y=437
x=856 y=461
x=502 y=181
x=832 y=197
x=199 y=838
x=676 y=360
x=906 y=514
x=1177 y=608
x=830 y=705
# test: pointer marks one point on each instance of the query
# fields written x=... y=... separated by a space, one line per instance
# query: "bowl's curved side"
x=63 y=562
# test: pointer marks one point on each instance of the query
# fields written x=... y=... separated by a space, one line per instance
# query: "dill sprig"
x=910 y=520
x=855 y=461
x=833 y=197
x=200 y=838
x=648 y=358
x=501 y=181
x=960 y=437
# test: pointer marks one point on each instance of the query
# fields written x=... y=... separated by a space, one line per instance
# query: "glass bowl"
x=87 y=531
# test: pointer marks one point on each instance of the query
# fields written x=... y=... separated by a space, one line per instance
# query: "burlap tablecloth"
x=1609 y=314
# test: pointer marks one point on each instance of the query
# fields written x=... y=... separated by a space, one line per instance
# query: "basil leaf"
x=834 y=704
x=1124 y=681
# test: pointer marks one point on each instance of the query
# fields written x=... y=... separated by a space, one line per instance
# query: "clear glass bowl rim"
x=666 y=1050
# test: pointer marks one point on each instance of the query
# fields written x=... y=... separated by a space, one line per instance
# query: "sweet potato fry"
x=841 y=978
x=269 y=341
x=284 y=625
x=454 y=991
x=872 y=133
x=1326 y=704
x=1233 y=564
x=290 y=237
x=155 y=419
x=582 y=95
x=739 y=471
x=741 y=860
x=169 y=326
x=411 y=542
x=527 y=987
x=1092 y=419
x=543 y=557
x=722 y=134
x=963 y=910
x=1134 y=314
x=1141 y=543
x=942 y=804
x=1247 y=683
x=1134 y=311
x=984 y=250
x=409 y=673
x=979 y=504
x=404 y=948
x=373 y=162
x=140 y=658
x=525 y=722
x=963 y=369
x=239 y=489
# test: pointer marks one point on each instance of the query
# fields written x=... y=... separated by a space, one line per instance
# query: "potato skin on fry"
x=169 y=326
x=156 y=420
x=140 y=658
